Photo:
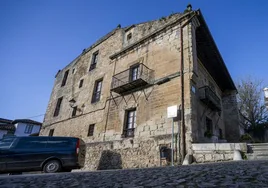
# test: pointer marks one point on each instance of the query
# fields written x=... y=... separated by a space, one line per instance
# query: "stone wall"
x=231 y=121
x=127 y=153
x=214 y=152
x=201 y=109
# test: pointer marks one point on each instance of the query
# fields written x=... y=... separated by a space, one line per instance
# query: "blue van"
x=40 y=153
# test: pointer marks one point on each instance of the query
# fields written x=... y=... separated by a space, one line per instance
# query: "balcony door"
x=134 y=72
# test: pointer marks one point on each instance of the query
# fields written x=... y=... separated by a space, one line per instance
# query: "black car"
x=44 y=153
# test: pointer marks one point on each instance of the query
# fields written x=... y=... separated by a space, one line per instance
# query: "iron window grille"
x=91 y=130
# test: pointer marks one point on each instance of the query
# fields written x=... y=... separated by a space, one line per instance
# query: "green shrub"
x=208 y=134
x=244 y=156
x=246 y=138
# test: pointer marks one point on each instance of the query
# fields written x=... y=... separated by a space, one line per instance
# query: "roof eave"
x=203 y=22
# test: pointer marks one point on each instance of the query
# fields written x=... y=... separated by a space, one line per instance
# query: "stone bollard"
x=188 y=159
x=237 y=155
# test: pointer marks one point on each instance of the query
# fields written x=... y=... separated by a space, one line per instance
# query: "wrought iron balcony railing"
x=210 y=98
x=131 y=79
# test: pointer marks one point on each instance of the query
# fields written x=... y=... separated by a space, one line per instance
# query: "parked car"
x=44 y=153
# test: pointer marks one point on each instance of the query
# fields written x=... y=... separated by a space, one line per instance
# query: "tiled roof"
x=8 y=127
x=26 y=121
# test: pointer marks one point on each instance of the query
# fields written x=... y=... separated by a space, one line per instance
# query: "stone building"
x=266 y=96
x=19 y=127
x=115 y=94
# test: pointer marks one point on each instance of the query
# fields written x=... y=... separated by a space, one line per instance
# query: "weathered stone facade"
x=214 y=152
x=156 y=49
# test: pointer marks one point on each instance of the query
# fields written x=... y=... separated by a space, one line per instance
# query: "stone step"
x=258 y=144
x=259 y=149
x=252 y=156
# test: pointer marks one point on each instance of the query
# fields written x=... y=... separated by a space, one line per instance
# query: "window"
x=73 y=70
x=74 y=111
x=31 y=142
x=94 y=61
x=193 y=89
x=57 y=109
x=212 y=87
x=65 y=78
x=28 y=129
x=129 y=36
x=81 y=83
x=97 y=91
x=91 y=130
x=130 y=123
x=60 y=143
x=209 y=125
x=134 y=72
x=209 y=129
x=6 y=142
x=220 y=134
x=51 y=132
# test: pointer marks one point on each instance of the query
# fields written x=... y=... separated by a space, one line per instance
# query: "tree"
x=251 y=103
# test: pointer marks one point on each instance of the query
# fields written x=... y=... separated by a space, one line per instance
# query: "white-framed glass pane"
x=96 y=58
x=99 y=86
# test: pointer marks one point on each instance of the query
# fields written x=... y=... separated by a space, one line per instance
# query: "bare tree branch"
x=250 y=102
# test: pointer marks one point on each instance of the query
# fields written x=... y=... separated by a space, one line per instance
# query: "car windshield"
x=6 y=142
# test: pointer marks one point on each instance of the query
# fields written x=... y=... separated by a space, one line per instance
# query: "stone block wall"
x=231 y=114
x=202 y=111
x=127 y=153
x=214 y=152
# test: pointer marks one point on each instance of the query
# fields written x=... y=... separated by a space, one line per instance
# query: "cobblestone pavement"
x=226 y=174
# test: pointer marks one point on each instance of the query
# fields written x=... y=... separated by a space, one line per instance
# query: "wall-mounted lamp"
x=72 y=102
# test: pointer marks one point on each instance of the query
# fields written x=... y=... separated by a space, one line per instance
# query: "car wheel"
x=52 y=166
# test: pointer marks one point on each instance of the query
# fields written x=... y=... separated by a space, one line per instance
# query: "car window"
x=55 y=142
x=6 y=142
x=32 y=142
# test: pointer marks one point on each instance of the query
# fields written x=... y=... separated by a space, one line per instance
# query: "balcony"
x=134 y=78
x=209 y=97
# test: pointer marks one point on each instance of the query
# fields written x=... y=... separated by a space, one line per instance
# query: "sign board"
x=172 y=111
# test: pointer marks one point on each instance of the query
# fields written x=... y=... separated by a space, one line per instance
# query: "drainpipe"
x=183 y=150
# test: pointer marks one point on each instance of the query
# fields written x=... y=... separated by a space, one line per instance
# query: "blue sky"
x=37 y=38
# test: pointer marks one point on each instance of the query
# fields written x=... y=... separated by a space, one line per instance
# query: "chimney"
x=189 y=7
